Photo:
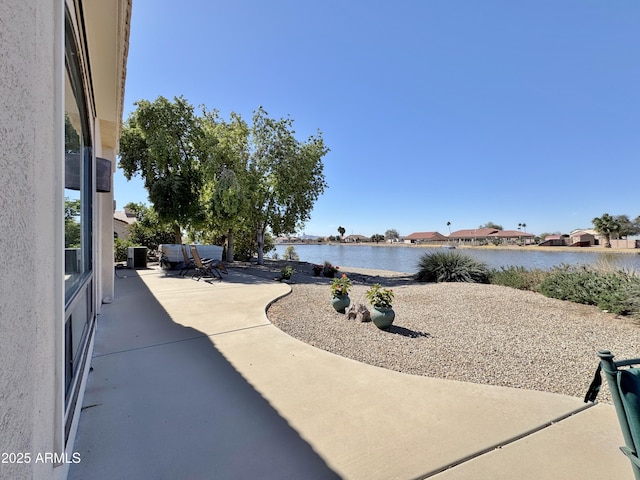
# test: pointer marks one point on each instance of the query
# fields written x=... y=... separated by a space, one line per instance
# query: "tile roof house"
x=493 y=235
x=122 y=220
x=425 y=237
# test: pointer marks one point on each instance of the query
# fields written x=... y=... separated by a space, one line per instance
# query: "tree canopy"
x=163 y=142
x=218 y=177
x=491 y=225
x=606 y=225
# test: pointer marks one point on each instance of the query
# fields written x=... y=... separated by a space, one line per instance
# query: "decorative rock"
x=358 y=312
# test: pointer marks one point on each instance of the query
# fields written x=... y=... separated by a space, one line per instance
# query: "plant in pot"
x=381 y=300
x=340 y=293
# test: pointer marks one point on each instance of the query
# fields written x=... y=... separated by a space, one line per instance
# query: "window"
x=78 y=220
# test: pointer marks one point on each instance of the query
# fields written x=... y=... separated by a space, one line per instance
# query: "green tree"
x=285 y=176
x=495 y=226
x=391 y=234
x=341 y=231
x=627 y=227
x=377 y=237
x=606 y=225
x=226 y=195
x=163 y=142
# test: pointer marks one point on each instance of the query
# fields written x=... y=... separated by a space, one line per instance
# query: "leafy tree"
x=163 y=142
x=391 y=234
x=495 y=226
x=226 y=194
x=285 y=176
x=606 y=225
x=627 y=227
x=376 y=237
x=341 y=231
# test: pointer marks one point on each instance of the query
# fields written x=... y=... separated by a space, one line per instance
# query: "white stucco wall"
x=30 y=162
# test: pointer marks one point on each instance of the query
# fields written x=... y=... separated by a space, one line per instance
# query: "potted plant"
x=317 y=270
x=340 y=293
x=381 y=300
x=329 y=270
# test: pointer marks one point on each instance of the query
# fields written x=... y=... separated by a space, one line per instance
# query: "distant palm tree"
x=606 y=225
x=449 y=227
x=341 y=231
x=524 y=226
x=519 y=226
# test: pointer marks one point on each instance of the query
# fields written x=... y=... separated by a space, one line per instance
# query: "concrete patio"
x=191 y=381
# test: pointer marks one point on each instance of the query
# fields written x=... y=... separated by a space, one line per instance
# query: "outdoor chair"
x=188 y=263
x=206 y=268
x=624 y=384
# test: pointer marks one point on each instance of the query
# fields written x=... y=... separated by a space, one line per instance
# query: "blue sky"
x=466 y=111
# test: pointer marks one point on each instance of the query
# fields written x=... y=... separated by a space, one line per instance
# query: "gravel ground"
x=470 y=332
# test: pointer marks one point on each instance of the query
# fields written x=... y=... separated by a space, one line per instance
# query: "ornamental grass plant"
x=447 y=266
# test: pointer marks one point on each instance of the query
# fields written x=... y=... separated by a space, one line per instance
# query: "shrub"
x=287 y=272
x=447 y=266
x=120 y=249
x=290 y=253
x=518 y=277
x=617 y=292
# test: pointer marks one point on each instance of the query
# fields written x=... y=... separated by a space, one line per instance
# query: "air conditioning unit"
x=137 y=257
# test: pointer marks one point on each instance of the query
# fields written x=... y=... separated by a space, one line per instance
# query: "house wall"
x=37 y=417
x=618 y=243
x=31 y=135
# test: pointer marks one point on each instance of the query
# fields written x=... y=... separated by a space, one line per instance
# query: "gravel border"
x=477 y=333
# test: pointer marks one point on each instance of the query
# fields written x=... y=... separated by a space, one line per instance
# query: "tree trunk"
x=230 y=246
x=260 y=238
x=177 y=233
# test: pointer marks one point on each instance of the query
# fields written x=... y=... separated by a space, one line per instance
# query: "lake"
x=405 y=259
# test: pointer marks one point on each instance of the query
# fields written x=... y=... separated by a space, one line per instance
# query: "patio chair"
x=188 y=263
x=209 y=268
x=624 y=384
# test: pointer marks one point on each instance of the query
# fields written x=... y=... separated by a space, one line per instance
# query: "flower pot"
x=382 y=317
x=340 y=302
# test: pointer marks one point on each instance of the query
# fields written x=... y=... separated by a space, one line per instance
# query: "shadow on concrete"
x=163 y=403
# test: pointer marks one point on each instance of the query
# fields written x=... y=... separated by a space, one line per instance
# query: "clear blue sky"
x=466 y=111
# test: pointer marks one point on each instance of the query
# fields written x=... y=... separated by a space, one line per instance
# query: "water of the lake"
x=405 y=259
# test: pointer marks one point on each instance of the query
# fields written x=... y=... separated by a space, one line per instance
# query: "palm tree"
x=606 y=225
x=341 y=231
x=449 y=227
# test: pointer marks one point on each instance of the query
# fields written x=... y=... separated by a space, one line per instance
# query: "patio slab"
x=191 y=380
